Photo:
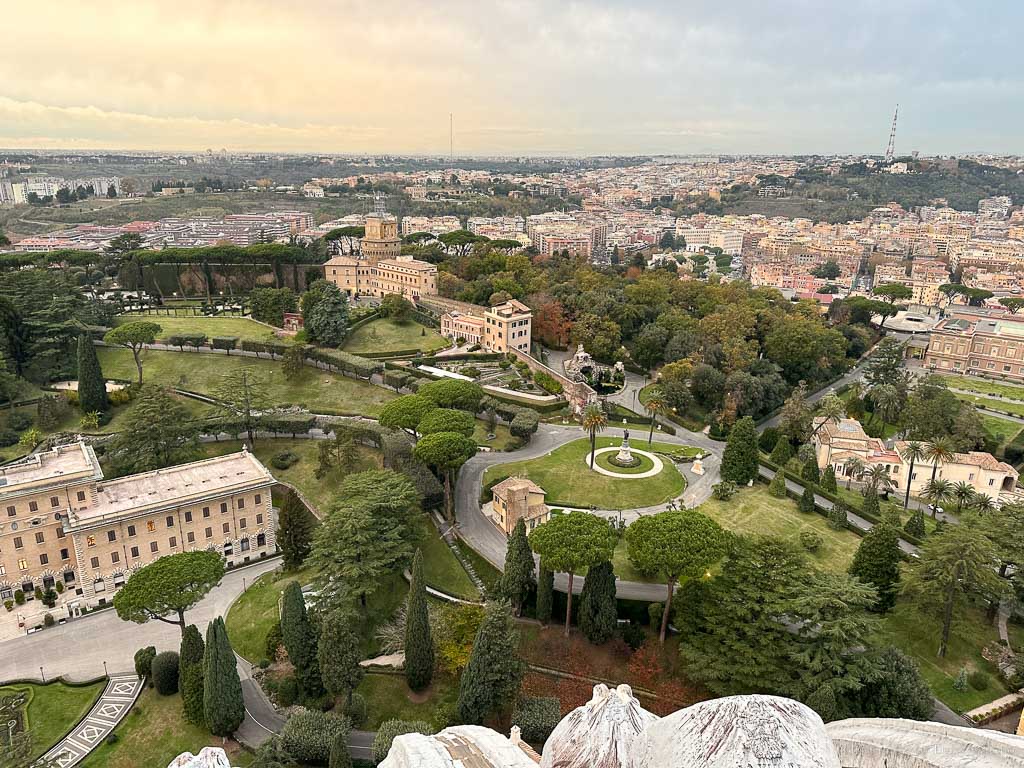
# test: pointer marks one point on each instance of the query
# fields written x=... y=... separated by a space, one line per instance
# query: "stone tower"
x=381 y=240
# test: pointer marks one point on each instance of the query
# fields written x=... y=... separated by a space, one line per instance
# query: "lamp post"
x=42 y=676
x=105 y=669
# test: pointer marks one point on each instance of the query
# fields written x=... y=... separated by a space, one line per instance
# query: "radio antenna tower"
x=451 y=139
x=891 y=149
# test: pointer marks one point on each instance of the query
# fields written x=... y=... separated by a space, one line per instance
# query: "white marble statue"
x=208 y=757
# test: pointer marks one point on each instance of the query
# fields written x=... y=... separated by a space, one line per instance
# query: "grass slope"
x=243 y=328
x=202 y=373
x=386 y=335
x=54 y=709
x=568 y=480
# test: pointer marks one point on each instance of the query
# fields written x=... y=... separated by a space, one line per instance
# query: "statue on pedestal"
x=624 y=456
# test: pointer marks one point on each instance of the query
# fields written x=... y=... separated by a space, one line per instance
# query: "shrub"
x=960 y=683
x=915 y=524
x=654 y=613
x=389 y=730
x=165 y=673
x=284 y=459
x=111 y=738
x=724 y=490
x=143 y=661
x=537 y=717
x=767 y=440
x=19 y=597
x=273 y=641
x=633 y=635
x=811 y=540
x=224 y=342
x=807 y=501
x=59 y=586
x=470 y=370
x=287 y=691
x=9 y=605
x=524 y=423
x=978 y=680
x=308 y=735
x=837 y=516
x=777 y=487
x=48 y=620
x=548 y=383
x=8 y=437
x=19 y=421
x=355 y=710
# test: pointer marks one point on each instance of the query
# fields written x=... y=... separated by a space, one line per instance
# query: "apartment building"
x=435 y=225
x=61 y=521
x=729 y=240
x=978 y=345
x=503 y=328
x=836 y=443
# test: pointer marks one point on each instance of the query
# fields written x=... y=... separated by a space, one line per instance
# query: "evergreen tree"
x=828 y=479
x=519 y=568
x=807 y=500
x=598 y=616
x=777 y=487
x=823 y=701
x=545 y=594
x=491 y=679
x=295 y=524
x=158 y=431
x=838 y=516
x=223 y=708
x=340 y=755
x=871 y=505
x=338 y=653
x=190 y=674
x=739 y=460
x=877 y=562
x=915 y=524
x=782 y=452
x=419 y=645
x=300 y=640
x=810 y=471
x=92 y=388
x=896 y=690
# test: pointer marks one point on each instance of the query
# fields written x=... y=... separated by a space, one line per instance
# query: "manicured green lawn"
x=387 y=697
x=256 y=610
x=568 y=479
x=1015 y=408
x=154 y=733
x=242 y=328
x=918 y=635
x=320 y=492
x=502 y=441
x=1002 y=430
x=54 y=709
x=385 y=335
x=985 y=387
x=203 y=373
x=755 y=511
x=441 y=568
x=487 y=573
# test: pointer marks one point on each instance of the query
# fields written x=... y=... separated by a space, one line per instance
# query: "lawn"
x=568 y=480
x=502 y=441
x=1001 y=430
x=388 y=697
x=386 y=335
x=693 y=418
x=202 y=373
x=54 y=709
x=918 y=635
x=984 y=387
x=242 y=328
x=1015 y=408
x=154 y=733
x=302 y=474
x=441 y=568
x=487 y=573
x=755 y=511
x=256 y=610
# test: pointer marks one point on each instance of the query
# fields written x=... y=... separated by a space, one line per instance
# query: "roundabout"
x=648 y=464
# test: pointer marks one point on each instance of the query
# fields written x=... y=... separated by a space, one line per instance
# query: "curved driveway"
x=485 y=538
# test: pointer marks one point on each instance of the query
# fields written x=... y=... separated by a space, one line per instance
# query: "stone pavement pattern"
x=111 y=707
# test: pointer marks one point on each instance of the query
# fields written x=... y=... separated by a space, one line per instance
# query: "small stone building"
x=518 y=497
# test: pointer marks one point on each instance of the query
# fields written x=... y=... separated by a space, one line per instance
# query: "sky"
x=529 y=77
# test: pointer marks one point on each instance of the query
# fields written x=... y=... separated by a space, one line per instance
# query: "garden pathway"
x=113 y=704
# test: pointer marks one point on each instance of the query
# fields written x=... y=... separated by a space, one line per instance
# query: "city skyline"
x=577 y=79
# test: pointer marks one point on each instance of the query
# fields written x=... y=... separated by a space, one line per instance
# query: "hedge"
x=395 y=354
x=537 y=717
x=548 y=383
x=483 y=357
x=344 y=361
x=308 y=735
x=524 y=423
x=182 y=340
x=224 y=342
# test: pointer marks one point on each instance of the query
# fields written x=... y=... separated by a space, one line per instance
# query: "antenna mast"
x=891 y=149
x=451 y=139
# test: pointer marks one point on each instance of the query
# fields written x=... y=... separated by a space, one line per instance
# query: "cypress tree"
x=782 y=452
x=300 y=640
x=491 y=679
x=828 y=479
x=338 y=654
x=92 y=389
x=545 y=594
x=295 y=526
x=190 y=674
x=599 y=613
x=915 y=524
x=519 y=568
x=739 y=460
x=223 y=708
x=838 y=516
x=777 y=487
x=340 y=756
x=419 y=646
x=810 y=472
x=871 y=505
x=877 y=562
x=807 y=500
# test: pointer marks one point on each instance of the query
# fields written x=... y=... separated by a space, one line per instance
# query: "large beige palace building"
x=382 y=268
x=979 y=345
x=503 y=328
x=61 y=521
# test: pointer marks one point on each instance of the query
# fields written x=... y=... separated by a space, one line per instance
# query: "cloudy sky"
x=543 y=76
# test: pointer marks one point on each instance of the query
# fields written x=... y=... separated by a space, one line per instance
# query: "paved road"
x=485 y=537
x=77 y=650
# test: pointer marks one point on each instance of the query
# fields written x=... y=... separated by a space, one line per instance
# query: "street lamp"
x=42 y=676
x=105 y=669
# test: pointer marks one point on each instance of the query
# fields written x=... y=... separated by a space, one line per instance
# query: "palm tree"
x=854 y=467
x=982 y=503
x=912 y=452
x=939 y=450
x=937 y=493
x=593 y=420
x=963 y=493
x=655 y=405
x=830 y=409
x=888 y=402
x=878 y=479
